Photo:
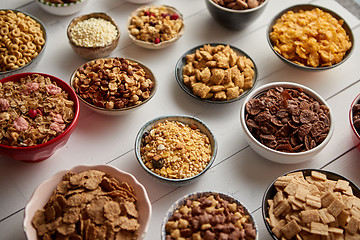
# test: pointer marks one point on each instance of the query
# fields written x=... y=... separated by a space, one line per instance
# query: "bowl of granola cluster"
x=38 y=114
x=286 y=122
x=208 y=215
x=105 y=201
x=155 y=27
x=310 y=204
x=62 y=7
x=216 y=73
x=114 y=86
x=354 y=117
x=175 y=150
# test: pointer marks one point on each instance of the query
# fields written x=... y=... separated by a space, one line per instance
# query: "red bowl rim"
x=357 y=99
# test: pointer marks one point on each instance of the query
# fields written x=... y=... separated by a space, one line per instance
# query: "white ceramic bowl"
x=275 y=155
x=140 y=1
x=62 y=9
x=42 y=193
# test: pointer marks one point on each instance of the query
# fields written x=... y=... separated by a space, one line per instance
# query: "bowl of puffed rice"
x=22 y=48
x=176 y=149
x=155 y=27
x=62 y=7
x=93 y=35
x=39 y=112
x=310 y=37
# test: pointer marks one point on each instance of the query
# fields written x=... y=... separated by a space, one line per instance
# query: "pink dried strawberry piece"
x=174 y=17
x=32 y=113
x=157 y=40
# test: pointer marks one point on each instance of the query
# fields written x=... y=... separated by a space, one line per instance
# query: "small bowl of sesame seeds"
x=155 y=27
x=175 y=149
x=93 y=35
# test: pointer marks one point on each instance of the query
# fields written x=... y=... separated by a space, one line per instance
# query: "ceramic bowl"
x=271 y=191
x=276 y=155
x=152 y=45
x=118 y=111
x=196 y=195
x=62 y=9
x=140 y=1
x=45 y=150
x=355 y=131
x=188 y=120
x=30 y=65
x=42 y=193
x=182 y=62
x=308 y=7
x=234 y=19
x=93 y=52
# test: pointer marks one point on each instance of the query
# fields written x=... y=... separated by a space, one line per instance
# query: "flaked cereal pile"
x=218 y=73
x=314 y=207
x=33 y=110
x=174 y=150
x=89 y=205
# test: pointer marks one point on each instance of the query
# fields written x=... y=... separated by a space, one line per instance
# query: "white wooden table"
x=237 y=170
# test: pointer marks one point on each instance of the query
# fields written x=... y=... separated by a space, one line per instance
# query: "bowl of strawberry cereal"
x=38 y=113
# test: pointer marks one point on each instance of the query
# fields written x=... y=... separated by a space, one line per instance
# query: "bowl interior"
x=307 y=7
x=244 y=11
x=351 y=115
x=182 y=62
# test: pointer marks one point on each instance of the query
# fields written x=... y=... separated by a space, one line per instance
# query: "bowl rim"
x=174 y=118
x=196 y=195
x=351 y=114
x=238 y=11
x=42 y=48
x=69 y=90
x=260 y=90
x=181 y=63
x=80 y=168
x=307 y=7
x=51 y=4
x=264 y=204
x=117 y=110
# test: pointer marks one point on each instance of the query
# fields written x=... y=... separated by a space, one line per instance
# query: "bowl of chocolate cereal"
x=209 y=215
x=62 y=7
x=286 y=122
x=354 y=117
x=155 y=27
x=23 y=42
x=105 y=201
x=175 y=150
x=93 y=35
x=38 y=114
x=311 y=203
x=114 y=86
x=236 y=14
x=216 y=73
x=310 y=37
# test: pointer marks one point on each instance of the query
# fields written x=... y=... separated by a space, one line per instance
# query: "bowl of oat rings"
x=175 y=150
x=317 y=203
x=105 y=201
x=38 y=114
x=62 y=7
x=23 y=40
x=295 y=36
x=114 y=86
x=208 y=215
x=155 y=27
x=216 y=73
x=286 y=122
x=354 y=117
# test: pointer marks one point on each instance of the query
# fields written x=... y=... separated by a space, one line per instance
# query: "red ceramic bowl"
x=45 y=150
x=355 y=135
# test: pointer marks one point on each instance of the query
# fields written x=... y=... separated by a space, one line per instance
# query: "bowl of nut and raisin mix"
x=114 y=86
x=286 y=122
x=175 y=150
x=38 y=114
x=208 y=215
x=354 y=117
x=155 y=27
x=62 y=7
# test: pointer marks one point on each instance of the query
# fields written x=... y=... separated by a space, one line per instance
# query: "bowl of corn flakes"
x=216 y=73
x=107 y=202
x=310 y=37
x=62 y=7
x=318 y=202
x=38 y=114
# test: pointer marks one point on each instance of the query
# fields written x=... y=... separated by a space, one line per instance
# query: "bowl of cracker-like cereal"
x=24 y=40
x=38 y=114
x=155 y=27
x=310 y=37
x=62 y=7
x=315 y=202
x=107 y=202
x=216 y=73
